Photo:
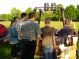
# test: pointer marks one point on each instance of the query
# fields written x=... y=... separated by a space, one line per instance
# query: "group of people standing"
x=26 y=34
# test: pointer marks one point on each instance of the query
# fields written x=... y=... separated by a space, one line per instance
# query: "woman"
x=13 y=39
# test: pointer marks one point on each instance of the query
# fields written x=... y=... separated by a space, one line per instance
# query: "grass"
x=57 y=24
x=5 y=51
x=5 y=48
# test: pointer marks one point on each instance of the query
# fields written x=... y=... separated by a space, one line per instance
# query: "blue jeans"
x=47 y=52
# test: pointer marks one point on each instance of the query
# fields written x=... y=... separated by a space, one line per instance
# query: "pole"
x=62 y=16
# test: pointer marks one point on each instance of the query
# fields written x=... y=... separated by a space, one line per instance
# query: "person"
x=71 y=24
x=66 y=38
x=24 y=18
x=30 y=32
x=15 y=19
x=13 y=39
x=48 y=40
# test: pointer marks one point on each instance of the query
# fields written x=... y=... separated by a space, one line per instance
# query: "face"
x=25 y=18
x=34 y=18
x=14 y=23
x=67 y=22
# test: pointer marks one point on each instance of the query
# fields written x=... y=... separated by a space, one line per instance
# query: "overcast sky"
x=6 y=5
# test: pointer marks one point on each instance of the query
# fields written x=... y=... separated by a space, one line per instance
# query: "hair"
x=15 y=18
x=32 y=14
x=47 y=21
x=12 y=21
x=67 y=20
x=23 y=14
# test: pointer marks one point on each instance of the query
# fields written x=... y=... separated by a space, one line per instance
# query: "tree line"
x=70 y=11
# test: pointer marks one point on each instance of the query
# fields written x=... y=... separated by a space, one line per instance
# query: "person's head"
x=32 y=16
x=13 y=22
x=68 y=21
x=15 y=18
x=47 y=21
x=24 y=16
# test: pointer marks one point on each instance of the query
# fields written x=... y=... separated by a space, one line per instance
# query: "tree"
x=5 y=17
x=2 y=17
x=70 y=12
x=77 y=12
x=57 y=12
x=15 y=12
x=48 y=14
x=8 y=17
x=29 y=10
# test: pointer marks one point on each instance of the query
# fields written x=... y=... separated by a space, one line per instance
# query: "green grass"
x=56 y=24
x=5 y=48
x=5 y=51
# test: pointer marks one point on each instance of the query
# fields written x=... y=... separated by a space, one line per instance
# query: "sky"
x=7 y=5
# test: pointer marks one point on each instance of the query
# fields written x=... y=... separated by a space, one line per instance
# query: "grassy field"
x=56 y=24
x=5 y=51
x=5 y=48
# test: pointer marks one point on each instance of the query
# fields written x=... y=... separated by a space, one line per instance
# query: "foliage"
x=70 y=12
x=57 y=13
x=48 y=14
x=77 y=12
x=3 y=17
x=15 y=12
x=29 y=10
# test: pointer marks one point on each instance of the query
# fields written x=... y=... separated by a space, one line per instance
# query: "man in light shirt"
x=24 y=17
x=30 y=32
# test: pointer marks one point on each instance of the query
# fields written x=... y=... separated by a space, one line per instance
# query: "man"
x=30 y=32
x=48 y=41
x=24 y=18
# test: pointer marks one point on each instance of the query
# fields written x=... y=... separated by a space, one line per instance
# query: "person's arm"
x=38 y=33
x=54 y=42
x=21 y=31
x=9 y=35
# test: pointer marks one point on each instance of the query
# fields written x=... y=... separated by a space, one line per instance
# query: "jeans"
x=47 y=52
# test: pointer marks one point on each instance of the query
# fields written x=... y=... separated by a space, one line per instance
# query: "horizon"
x=6 y=6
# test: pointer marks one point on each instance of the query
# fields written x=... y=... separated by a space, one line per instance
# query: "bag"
x=68 y=41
